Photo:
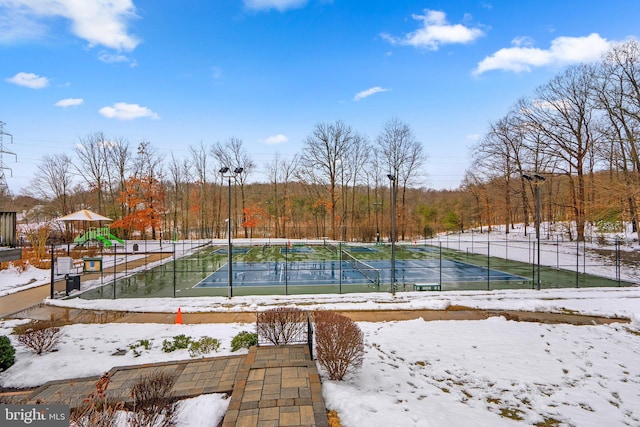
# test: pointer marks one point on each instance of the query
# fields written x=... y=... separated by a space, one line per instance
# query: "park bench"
x=427 y=287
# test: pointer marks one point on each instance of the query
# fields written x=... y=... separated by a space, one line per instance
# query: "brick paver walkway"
x=193 y=378
x=270 y=386
x=277 y=386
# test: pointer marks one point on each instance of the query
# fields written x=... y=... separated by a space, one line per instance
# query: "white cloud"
x=16 y=26
x=100 y=22
x=124 y=111
x=111 y=58
x=435 y=32
x=29 y=80
x=69 y=102
x=563 y=51
x=369 y=92
x=276 y=139
x=280 y=5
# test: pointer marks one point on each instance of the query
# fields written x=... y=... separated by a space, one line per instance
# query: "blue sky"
x=181 y=72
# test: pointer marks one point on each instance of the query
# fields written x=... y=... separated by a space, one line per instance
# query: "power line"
x=4 y=188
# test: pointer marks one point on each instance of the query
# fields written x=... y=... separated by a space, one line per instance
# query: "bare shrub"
x=153 y=401
x=283 y=325
x=97 y=410
x=339 y=344
x=38 y=236
x=20 y=265
x=40 y=336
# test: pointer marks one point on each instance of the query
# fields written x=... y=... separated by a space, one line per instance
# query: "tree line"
x=571 y=146
x=577 y=136
x=338 y=187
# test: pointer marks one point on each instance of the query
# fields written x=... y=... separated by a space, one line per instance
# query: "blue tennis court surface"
x=423 y=249
x=234 y=251
x=359 y=249
x=332 y=272
x=298 y=250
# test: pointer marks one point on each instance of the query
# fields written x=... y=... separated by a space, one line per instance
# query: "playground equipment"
x=99 y=234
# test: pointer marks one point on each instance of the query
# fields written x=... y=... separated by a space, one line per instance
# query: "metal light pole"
x=225 y=170
x=392 y=180
x=229 y=253
x=375 y=207
x=537 y=180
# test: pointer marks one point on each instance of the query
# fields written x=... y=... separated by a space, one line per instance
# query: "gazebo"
x=94 y=233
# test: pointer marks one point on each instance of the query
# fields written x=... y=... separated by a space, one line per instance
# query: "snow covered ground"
x=490 y=372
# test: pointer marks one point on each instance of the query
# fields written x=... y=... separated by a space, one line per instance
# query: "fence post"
x=286 y=269
x=618 y=261
x=533 y=267
x=310 y=335
x=340 y=267
x=577 y=263
x=52 y=269
x=488 y=264
x=258 y=328
x=115 y=272
x=584 y=256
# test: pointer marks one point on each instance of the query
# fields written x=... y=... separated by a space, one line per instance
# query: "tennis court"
x=351 y=272
x=320 y=268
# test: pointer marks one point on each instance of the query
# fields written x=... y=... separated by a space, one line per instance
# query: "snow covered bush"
x=283 y=325
x=39 y=336
x=7 y=353
x=339 y=344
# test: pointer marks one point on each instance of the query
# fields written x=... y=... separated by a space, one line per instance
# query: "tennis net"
x=371 y=273
x=335 y=248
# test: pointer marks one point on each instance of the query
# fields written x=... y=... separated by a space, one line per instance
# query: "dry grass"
x=334 y=419
x=460 y=308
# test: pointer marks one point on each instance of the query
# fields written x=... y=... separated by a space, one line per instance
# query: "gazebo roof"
x=84 y=215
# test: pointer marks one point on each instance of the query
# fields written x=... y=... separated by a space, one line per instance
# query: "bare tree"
x=618 y=95
x=178 y=200
x=358 y=158
x=233 y=155
x=324 y=154
x=281 y=172
x=199 y=162
x=503 y=156
x=92 y=164
x=118 y=158
x=563 y=113
x=149 y=172
x=53 y=181
x=404 y=156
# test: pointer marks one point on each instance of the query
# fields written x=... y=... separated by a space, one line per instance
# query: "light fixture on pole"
x=537 y=179
x=392 y=180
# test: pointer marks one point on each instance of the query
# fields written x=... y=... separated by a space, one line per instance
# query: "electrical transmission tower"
x=4 y=188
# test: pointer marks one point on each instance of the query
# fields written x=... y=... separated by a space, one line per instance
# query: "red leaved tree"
x=143 y=199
